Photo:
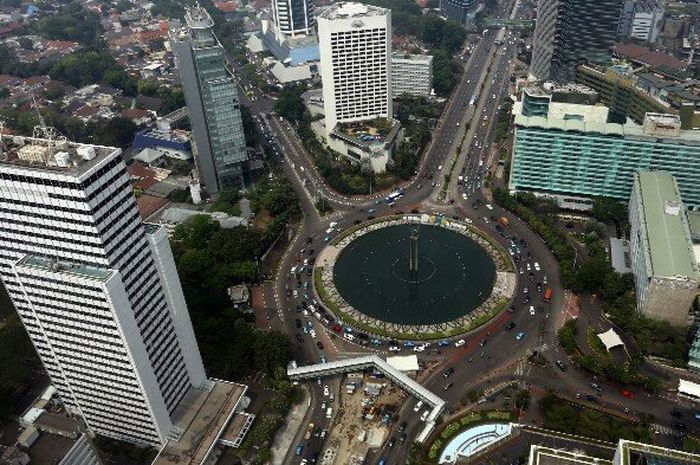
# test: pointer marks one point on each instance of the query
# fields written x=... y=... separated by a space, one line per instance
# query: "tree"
x=609 y=210
x=522 y=399
x=4 y=92
x=72 y=22
x=290 y=105
x=195 y=232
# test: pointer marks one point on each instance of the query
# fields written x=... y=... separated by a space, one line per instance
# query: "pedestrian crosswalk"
x=666 y=430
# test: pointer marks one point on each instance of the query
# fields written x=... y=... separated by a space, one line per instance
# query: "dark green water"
x=454 y=275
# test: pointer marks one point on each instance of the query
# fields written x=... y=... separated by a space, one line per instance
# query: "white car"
x=295 y=294
x=424 y=416
x=468 y=220
x=460 y=343
x=394 y=349
x=464 y=196
x=489 y=206
x=529 y=268
x=313 y=334
x=420 y=348
x=326 y=390
x=532 y=310
x=537 y=266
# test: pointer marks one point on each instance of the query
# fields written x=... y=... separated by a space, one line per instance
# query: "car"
x=298 y=322
x=448 y=386
x=424 y=415
x=402 y=426
x=525 y=290
x=536 y=266
x=303 y=462
x=676 y=414
x=544 y=279
x=390 y=444
x=319 y=344
x=539 y=287
x=591 y=398
x=486 y=220
x=597 y=387
x=420 y=348
x=460 y=343
x=483 y=342
x=418 y=406
x=312 y=333
x=326 y=390
x=468 y=220
x=299 y=449
x=394 y=349
x=371 y=210
x=323 y=434
x=448 y=372
x=409 y=344
x=296 y=293
x=561 y=365
x=443 y=343
x=489 y=206
x=529 y=268
x=402 y=438
x=520 y=335
x=509 y=326
x=511 y=309
x=626 y=393
x=532 y=310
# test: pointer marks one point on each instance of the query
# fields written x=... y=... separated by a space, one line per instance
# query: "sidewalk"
x=285 y=436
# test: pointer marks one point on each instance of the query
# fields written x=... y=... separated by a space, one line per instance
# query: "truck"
x=503 y=221
x=547 y=294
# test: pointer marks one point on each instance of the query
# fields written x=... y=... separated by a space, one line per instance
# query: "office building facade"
x=661 y=250
x=95 y=288
x=293 y=17
x=212 y=100
x=462 y=11
x=641 y=20
x=570 y=32
x=619 y=93
x=411 y=74
x=573 y=154
x=355 y=44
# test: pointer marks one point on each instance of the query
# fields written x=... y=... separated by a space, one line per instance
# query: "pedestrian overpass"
x=351 y=365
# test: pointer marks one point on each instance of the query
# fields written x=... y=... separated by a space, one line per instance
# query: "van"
x=329 y=412
x=418 y=406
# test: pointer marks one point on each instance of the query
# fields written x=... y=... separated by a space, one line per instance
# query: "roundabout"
x=414 y=277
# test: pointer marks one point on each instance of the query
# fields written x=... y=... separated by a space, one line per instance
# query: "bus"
x=394 y=196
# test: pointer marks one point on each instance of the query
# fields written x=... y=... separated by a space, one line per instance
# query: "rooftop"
x=425 y=59
x=56 y=266
x=589 y=119
x=666 y=227
x=635 y=452
x=540 y=455
x=202 y=417
x=197 y=17
x=345 y=10
x=54 y=153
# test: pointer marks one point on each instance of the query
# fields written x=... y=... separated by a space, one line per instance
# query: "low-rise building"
x=663 y=263
x=411 y=74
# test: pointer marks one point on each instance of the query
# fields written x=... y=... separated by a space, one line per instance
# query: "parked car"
x=561 y=365
x=520 y=335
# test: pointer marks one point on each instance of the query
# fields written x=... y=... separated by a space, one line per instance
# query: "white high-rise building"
x=293 y=17
x=355 y=44
x=411 y=74
x=96 y=288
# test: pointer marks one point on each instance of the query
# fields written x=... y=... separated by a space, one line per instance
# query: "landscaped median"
x=460 y=424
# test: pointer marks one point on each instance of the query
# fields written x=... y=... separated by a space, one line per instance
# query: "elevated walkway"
x=350 y=365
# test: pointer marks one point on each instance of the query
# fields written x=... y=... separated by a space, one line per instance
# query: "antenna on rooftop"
x=44 y=131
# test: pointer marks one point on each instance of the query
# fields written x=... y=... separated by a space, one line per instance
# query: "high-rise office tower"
x=570 y=32
x=355 y=43
x=462 y=11
x=212 y=101
x=95 y=288
x=293 y=17
x=641 y=20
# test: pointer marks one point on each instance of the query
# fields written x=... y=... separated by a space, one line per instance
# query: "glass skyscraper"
x=573 y=153
x=212 y=101
x=570 y=32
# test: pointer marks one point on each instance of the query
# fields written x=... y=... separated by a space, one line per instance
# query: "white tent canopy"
x=404 y=363
x=610 y=339
x=689 y=389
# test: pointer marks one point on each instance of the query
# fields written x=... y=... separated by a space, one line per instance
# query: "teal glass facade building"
x=570 y=156
x=212 y=101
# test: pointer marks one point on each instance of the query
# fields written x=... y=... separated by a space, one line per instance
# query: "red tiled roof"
x=135 y=113
x=85 y=111
x=149 y=204
x=226 y=7
x=638 y=54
